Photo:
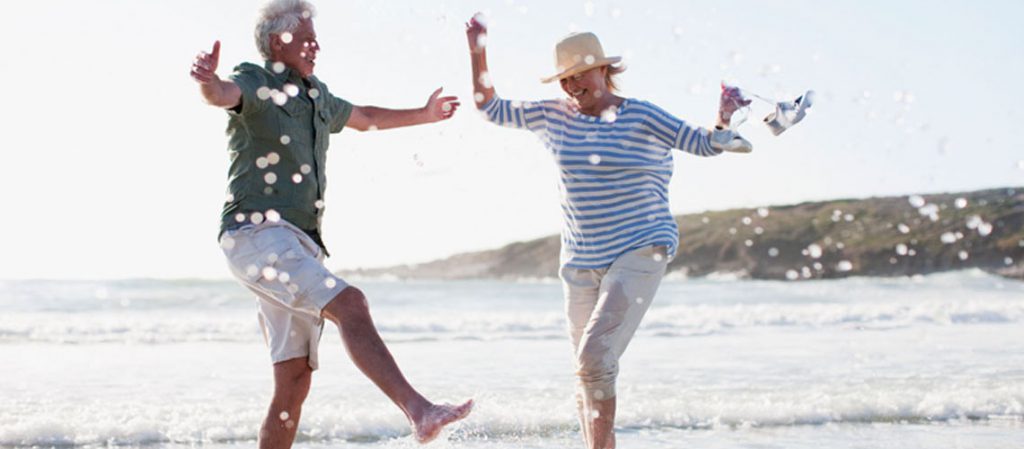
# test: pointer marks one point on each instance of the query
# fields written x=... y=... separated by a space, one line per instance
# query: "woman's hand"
x=730 y=102
x=476 y=33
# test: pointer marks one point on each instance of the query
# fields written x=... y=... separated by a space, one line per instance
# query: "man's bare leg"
x=291 y=386
x=350 y=311
x=602 y=423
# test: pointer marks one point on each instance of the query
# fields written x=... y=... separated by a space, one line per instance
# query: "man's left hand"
x=440 y=108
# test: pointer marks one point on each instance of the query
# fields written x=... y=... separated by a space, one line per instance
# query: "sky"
x=115 y=168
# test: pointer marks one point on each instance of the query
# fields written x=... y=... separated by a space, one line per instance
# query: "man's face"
x=298 y=49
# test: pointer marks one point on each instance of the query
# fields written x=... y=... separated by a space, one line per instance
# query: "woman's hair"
x=280 y=16
x=612 y=74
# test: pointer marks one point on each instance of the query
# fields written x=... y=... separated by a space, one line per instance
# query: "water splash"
x=814 y=250
x=263 y=93
x=984 y=229
x=609 y=115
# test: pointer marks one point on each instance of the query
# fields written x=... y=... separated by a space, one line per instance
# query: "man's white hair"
x=280 y=16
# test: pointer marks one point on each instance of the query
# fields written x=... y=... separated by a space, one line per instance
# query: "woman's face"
x=587 y=88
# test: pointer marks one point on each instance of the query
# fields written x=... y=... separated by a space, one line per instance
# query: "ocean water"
x=931 y=362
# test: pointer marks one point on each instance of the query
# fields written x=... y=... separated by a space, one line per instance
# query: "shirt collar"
x=287 y=74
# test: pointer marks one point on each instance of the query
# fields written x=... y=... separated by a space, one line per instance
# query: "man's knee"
x=597 y=371
x=292 y=380
x=349 y=303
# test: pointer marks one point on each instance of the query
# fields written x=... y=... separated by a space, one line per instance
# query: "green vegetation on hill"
x=894 y=236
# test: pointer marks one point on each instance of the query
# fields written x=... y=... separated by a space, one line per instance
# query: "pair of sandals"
x=786 y=115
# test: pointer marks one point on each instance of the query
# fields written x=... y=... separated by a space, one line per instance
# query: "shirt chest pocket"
x=323 y=121
x=297 y=121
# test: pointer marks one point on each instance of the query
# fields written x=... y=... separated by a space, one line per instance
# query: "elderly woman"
x=615 y=162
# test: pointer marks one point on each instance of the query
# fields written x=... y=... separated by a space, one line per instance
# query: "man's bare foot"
x=430 y=425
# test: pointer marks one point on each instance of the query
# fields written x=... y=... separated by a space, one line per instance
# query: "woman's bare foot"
x=438 y=416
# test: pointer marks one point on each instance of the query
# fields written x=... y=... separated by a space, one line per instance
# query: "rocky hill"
x=893 y=236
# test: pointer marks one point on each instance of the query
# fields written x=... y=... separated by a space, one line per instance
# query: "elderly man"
x=280 y=116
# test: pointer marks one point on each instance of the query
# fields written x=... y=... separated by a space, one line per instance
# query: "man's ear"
x=276 y=44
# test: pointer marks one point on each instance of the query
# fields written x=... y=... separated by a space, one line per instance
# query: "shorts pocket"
x=648 y=260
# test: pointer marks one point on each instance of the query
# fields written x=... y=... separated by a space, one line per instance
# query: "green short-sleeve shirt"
x=277 y=142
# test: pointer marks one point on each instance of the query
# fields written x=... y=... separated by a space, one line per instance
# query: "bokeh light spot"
x=273 y=216
x=269 y=273
x=263 y=93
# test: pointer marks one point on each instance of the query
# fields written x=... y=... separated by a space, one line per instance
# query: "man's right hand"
x=225 y=94
x=204 y=68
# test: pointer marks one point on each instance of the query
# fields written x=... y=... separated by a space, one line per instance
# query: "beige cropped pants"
x=604 y=308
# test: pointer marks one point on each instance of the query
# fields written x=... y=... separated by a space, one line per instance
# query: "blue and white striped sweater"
x=614 y=173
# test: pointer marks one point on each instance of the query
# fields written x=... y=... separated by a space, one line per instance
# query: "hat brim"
x=582 y=67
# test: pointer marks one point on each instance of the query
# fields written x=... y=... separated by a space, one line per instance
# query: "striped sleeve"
x=672 y=132
x=516 y=114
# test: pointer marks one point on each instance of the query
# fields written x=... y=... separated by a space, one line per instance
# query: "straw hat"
x=579 y=52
